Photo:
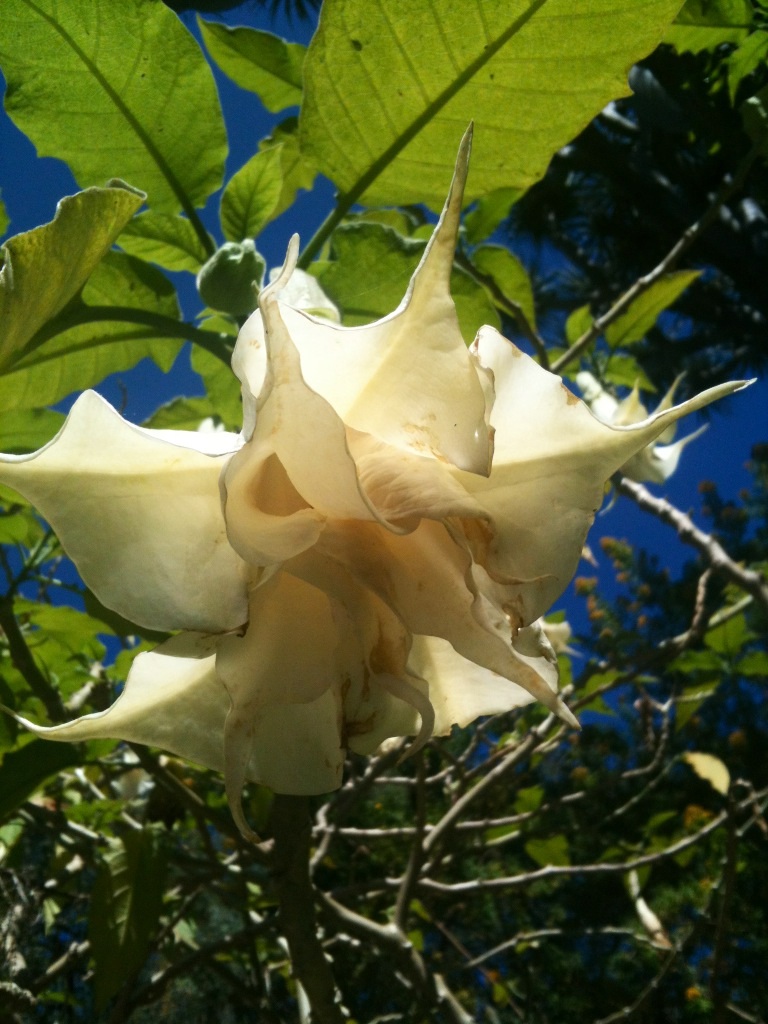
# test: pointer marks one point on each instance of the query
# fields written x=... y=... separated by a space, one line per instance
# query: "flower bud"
x=231 y=279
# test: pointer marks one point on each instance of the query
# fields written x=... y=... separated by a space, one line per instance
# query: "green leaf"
x=44 y=268
x=297 y=171
x=706 y=24
x=488 y=213
x=686 y=709
x=82 y=355
x=625 y=369
x=26 y=430
x=730 y=636
x=251 y=197
x=182 y=414
x=389 y=86
x=549 y=851
x=509 y=275
x=125 y=909
x=165 y=239
x=257 y=61
x=369 y=275
x=644 y=311
x=24 y=770
x=742 y=62
x=577 y=324
x=221 y=386
x=4 y=221
x=115 y=88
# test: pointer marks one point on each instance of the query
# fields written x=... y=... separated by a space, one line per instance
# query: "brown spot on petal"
x=570 y=398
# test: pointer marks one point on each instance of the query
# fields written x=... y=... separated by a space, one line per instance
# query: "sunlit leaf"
x=166 y=239
x=711 y=769
x=509 y=275
x=4 y=221
x=84 y=354
x=707 y=24
x=115 y=89
x=642 y=314
x=298 y=172
x=26 y=430
x=251 y=196
x=258 y=61
x=390 y=86
x=747 y=58
x=125 y=909
x=221 y=388
x=623 y=369
x=44 y=268
x=488 y=213
x=370 y=271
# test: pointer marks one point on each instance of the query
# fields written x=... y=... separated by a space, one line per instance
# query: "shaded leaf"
x=125 y=909
x=625 y=370
x=257 y=61
x=44 y=268
x=549 y=851
x=166 y=239
x=25 y=770
x=4 y=221
x=115 y=88
x=389 y=87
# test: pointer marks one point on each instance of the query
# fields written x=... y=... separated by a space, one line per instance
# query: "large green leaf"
x=115 y=89
x=642 y=314
x=86 y=352
x=44 y=268
x=257 y=61
x=125 y=908
x=370 y=271
x=390 y=86
x=23 y=771
x=4 y=222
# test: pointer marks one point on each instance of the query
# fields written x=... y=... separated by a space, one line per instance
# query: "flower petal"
x=459 y=689
x=408 y=379
x=287 y=659
x=140 y=517
x=172 y=700
x=427 y=579
x=553 y=457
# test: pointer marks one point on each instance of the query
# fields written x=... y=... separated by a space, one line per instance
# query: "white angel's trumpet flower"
x=655 y=462
x=370 y=556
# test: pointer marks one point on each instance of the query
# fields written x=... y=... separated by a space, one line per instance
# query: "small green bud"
x=231 y=279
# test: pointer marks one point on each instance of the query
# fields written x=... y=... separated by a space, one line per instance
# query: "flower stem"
x=291 y=830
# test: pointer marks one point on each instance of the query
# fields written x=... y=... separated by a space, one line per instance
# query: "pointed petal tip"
x=289 y=265
x=565 y=714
